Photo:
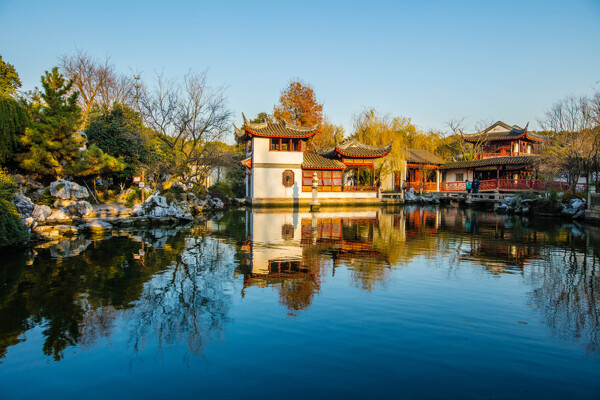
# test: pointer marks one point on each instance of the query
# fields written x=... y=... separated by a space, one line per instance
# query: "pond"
x=413 y=302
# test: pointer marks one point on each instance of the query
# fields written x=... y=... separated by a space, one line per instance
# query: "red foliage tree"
x=299 y=105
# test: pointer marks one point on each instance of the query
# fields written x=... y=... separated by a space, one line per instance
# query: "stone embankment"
x=574 y=209
x=72 y=214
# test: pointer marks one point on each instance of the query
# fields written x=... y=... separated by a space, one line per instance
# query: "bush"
x=553 y=195
x=47 y=198
x=170 y=197
x=223 y=188
x=12 y=231
x=7 y=185
x=133 y=197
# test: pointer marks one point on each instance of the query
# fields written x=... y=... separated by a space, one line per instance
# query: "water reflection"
x=171 y=286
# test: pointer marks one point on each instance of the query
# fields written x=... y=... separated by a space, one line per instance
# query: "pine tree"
x=13 y=116
x=52 y=143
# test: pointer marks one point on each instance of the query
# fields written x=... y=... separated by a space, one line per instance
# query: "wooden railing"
x=360 y=188
x=513 y=184
x=427 y=186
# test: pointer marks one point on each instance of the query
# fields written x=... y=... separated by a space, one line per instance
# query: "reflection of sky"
x=428 y=311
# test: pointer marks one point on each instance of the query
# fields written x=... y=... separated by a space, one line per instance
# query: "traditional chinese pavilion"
x=280 y=165
x=506 y=161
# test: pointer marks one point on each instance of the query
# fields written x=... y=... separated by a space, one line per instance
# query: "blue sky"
x=428 y=60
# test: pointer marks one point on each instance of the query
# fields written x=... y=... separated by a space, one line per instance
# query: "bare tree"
x=466 y=150
x=189 y=118
x=96 y=81
x=575 y=145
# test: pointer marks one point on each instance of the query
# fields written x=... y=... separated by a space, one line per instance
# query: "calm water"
x=413 y=303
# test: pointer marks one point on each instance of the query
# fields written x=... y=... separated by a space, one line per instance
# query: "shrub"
x=133 y=197
x=170 y=197
x=223 y=188
x=553 y=195
x=12 y=231
x=47 y=198
x=7 y=185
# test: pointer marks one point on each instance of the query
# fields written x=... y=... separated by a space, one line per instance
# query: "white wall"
x=266 y=234
x=262 y=154
x=268 y=183
x=451 y=175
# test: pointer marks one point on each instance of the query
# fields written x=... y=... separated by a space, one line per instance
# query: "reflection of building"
x=291 y=251
x=280 y=165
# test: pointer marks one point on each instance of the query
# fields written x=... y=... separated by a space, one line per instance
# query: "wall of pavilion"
x=280 y=164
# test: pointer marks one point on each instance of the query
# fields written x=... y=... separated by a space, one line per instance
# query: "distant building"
x=418 y=170
x=280 y=166
x=506 y=161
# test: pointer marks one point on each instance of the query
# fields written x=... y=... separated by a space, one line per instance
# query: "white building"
x=280 y=167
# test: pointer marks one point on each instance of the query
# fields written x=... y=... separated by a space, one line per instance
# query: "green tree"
x=9 y=78
x=13 y=116
x=11 y=230
x=51 y=141
x=121 y=133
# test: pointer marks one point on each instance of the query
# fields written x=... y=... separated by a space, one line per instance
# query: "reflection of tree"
x=297 y=295
x=190 y=300
x=74 y=298
x=568 y=295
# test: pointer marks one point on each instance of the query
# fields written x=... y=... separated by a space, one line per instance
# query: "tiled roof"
x=315 y=161
x=354 y=148
x=509 y=133
x=420 y=156
x=271 y=129
x=492 y=161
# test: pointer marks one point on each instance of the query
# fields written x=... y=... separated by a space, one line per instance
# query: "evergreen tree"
x=120 y=133
x=13 y=116
x=52 y=143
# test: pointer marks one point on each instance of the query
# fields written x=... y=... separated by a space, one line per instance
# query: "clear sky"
x=428 y=60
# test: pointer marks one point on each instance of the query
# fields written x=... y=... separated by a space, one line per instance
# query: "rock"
x=56 y=231
x=79 y=209
x=138 y=210
x=159 y=201
x=59 y=203
x=577 y=204
x=26 y=184
x=410 y=195
x=96 y=226
x=502 y=209
x=67 y=190
x=30 y=223
x=58 y=216
x=580 y=214
x=40 y=213
x=23 y=204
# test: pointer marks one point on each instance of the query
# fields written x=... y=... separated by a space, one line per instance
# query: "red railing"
x=452 y=187
x=360 y=188
x=513 y=184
